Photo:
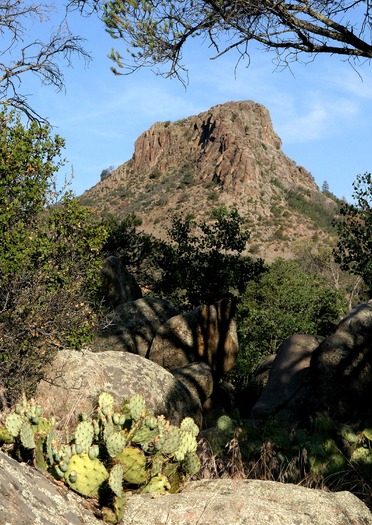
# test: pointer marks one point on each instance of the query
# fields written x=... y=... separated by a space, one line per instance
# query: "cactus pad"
x=189 y=425
x=14 y=423
x=115 y=443
x=27 y=436
x=158 y=484
x=84 y=435
x=106 y=402
x=133 y=461
x=191 y=463
x=137 y=406
x=90 y=474
x=116 y=479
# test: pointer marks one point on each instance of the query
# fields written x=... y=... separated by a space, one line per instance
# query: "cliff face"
x=229 y=155
x=233 y=144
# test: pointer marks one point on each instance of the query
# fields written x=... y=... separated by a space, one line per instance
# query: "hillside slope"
x=229 y=155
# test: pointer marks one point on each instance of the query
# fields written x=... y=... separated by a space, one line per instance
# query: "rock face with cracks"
x=248 y=502
x=27 y=497
x=75 y=379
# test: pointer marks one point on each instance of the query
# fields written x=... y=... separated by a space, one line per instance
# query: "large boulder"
x=27 y=497
x=207 y=333
x=30 y=498
x=286 y=389
x=118 y=285
x=247 y=502
x=341 y=368
x=132 y=326
x=75 y=379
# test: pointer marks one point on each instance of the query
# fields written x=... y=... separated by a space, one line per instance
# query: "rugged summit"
x=229 y=155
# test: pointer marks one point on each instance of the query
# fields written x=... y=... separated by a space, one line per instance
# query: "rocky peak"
x=228 y=156
x=233 y=144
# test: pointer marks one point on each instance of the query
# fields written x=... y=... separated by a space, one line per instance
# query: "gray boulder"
x=341 y=368
x=75 y=379
x=131 y=327
x=247 y=502
x=118 y=285
x=28 y=497
x=207 y=334
x=287 y=383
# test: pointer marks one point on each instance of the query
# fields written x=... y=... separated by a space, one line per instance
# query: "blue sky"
x=321 y=111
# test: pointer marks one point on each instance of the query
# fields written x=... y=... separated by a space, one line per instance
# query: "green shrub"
x=282 y=302
x=49 y=257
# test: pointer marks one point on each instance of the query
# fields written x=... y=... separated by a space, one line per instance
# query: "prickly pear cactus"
x=115 y=443
x=106 y=403
x=133 y=461
x=5 y=436
x=130 y=448
x=84 y=435
x=14 y=423
x=85 y=475
x=116 y=479
x=137 y=406
x=191 y=463
x=158 y=484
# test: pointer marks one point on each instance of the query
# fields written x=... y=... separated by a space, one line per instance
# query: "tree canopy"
x=155 y=32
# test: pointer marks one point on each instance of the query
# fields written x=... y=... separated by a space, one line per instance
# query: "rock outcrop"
x=29 y=498
x=247 y=502
x=286 y=389
x=226 y=156
x=75 y=379
x=132 y=326
x=207 y=333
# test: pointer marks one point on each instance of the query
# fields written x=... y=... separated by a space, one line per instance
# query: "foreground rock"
x=27 y=497
x=30 y=498
x=248 y=502
x=75 y=379
x=132 y=326
x=207 y=333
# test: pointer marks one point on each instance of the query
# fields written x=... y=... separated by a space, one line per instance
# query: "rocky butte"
x=229 y=155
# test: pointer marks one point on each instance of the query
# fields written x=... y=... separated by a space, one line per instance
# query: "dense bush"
x=49 y=257
x=282 y=302
x=203 y=262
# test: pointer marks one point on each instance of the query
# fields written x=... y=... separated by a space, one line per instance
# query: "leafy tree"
x=325 y=187
x=284 y=301
x=22 y=56
x=203 y=261
x=135 y=249
x=200 y=262
x=106 y=172
x=354 y=226
x=155 y=33
x=49 y=257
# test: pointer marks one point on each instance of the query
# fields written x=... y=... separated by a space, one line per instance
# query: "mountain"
x=228 y=156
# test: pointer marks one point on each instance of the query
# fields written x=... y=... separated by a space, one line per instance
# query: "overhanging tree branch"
x=156 y=32
x=41 y=58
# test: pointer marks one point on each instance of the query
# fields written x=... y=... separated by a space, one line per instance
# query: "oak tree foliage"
x=50 y=256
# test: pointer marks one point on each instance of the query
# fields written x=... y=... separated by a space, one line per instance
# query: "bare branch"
x=39 y=58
